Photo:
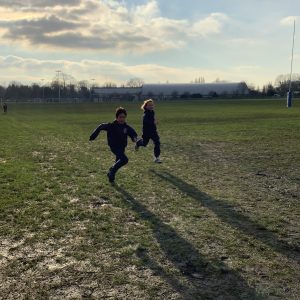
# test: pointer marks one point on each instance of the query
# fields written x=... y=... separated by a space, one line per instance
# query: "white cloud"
x=209 y=25
x=32 y=70
x=101 y=25
x=37 y=3
x=297 y=56
x=287 y=21
x=148 y=11
x=251 y=42
x=246 y=68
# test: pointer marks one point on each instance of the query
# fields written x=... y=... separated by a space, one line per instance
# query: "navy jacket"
x=149 y=126
x=116 y=134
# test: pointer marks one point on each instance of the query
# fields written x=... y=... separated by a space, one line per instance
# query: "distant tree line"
x=16 y=91
x=68 y=88
x=279 y=88
x=65 y=87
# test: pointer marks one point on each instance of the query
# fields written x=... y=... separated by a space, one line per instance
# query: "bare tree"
x=2 y=91
x=218 y=80
x=198 y=80
x=109 y=84
x=282 y=83
x=286 y=78
x=135 y=82
x=83 y=90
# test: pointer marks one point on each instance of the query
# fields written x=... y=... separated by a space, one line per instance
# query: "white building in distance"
x=172 y=91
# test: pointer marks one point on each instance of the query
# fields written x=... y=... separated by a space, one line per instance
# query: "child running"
x=117 y=133
x=4 y=106
x=149 y=129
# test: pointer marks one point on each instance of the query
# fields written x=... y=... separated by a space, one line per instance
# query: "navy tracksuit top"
x=149 y=126
x=116 y=134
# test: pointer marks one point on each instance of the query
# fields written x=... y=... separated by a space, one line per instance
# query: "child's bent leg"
x=143 y=142
x=156 y=142
x=121 y=160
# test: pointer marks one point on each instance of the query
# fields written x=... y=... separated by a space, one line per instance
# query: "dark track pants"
x=121 y=159
x=156 y=141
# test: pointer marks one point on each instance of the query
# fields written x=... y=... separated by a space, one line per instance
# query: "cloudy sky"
x=156 y=40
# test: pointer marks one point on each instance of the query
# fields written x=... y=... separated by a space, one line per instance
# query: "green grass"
x=219 y=219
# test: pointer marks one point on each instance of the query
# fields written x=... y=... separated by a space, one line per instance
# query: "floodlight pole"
x=92 y=88
x=43 y=87
x=58 y=72
x=289 y=94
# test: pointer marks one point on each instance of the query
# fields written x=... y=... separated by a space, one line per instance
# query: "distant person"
x=149 y=130
x=4 y=107
x=117 y=133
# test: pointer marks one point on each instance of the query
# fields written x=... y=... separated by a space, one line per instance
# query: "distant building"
x=115 y=93
x=172 y=90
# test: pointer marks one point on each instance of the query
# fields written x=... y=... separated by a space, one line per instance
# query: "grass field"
x=219 y=219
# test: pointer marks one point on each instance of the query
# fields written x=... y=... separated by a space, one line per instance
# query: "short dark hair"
x=121 y=110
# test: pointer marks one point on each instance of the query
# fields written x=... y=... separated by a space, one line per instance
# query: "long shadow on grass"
x=227 y=213
x=198 y=278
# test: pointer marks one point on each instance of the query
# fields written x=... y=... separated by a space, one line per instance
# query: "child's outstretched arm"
x=103 y=126
x=132 y=133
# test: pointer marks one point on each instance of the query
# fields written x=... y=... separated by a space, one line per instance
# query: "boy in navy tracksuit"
x=149 y=129
x=117 y=133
